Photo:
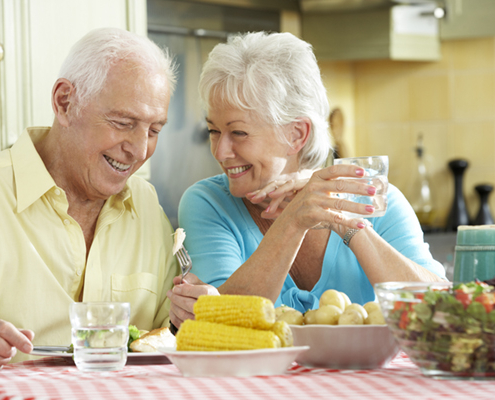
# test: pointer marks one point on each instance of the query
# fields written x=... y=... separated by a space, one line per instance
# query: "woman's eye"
x=239 y=133
x=212 y=131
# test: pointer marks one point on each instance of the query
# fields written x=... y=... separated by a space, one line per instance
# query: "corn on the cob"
x=208 y=336
x=284 y=333
x=238 y=310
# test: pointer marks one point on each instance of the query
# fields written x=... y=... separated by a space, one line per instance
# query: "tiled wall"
x=452 y=102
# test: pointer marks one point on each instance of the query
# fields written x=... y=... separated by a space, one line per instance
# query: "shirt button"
x=79 y=272
x=57 y=192
x=66 y=222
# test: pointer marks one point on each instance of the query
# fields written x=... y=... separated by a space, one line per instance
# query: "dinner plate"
x=234 y=363
x=51 y=353
x=132 y=358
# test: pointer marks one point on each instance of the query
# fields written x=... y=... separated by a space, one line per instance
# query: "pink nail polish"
x=360 y=172
x=370 y=209
x=267 y=210
x=371 y=190
x=360 y=225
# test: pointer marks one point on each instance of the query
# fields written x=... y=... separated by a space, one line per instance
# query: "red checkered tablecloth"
x=58 y=378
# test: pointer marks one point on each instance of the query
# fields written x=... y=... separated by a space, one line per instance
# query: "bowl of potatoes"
x=341 y=334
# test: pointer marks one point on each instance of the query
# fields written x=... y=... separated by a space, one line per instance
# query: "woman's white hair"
x=90 y=59
x=277 y=77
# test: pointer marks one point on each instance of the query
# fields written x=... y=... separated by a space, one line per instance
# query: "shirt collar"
x=32 y=179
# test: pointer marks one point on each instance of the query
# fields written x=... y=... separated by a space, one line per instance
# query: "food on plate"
x=289 y=315
x=375 y=317
x=328 y=314
x=359 y=308
x=153 y=340
x=247 y=311
x=233 y=322
x=351 y=316
x=310 y=317
x=333 y=297
x=337 y=309
x=455 y=325
x=197 y=335
x=347 y=300
x=372 y=306
x=284 y=333
x=179 y=237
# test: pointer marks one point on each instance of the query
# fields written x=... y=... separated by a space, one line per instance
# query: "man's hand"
x=183 y=296
x=11 y=339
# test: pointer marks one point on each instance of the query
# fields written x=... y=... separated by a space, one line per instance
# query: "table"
x=58 y=378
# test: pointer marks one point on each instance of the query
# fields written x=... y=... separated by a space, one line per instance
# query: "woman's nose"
x=222 y=147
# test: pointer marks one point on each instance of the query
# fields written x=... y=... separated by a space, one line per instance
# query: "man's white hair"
x=90 y=59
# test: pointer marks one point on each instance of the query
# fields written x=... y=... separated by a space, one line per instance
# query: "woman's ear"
x=299 y=134
x=62 y=98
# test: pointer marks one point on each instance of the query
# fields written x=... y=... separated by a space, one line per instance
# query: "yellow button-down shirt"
x=43 y=266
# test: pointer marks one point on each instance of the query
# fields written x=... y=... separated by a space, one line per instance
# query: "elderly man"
x=76 y=225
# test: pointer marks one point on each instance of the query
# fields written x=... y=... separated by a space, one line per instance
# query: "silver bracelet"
x=351 y=232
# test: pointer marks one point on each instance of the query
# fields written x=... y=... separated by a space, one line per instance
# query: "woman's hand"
x=11 y=339
x=314 y=200
x=183 y=296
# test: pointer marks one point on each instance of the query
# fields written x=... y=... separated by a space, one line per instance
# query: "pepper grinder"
x=484 y=216
x=458 y=213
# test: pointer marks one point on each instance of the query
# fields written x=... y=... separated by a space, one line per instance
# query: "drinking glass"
x=376 y=174
x=100 y=331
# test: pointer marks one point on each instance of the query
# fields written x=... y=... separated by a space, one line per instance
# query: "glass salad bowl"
x=446 y=329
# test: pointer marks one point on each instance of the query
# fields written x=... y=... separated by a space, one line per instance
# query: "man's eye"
x=121 y=124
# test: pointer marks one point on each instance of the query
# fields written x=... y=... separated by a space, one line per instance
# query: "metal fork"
x=184 y=261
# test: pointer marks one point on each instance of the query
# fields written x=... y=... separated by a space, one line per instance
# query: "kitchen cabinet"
x=36 y=37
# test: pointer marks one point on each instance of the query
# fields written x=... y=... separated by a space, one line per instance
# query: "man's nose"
x=137 y=144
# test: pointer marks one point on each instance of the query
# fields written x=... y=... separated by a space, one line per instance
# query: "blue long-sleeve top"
x=221 y=235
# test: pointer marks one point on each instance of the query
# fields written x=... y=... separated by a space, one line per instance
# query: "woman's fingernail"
x=370 y=209
x=361 y=225
x=252 y=194
x=267 y=210
x=360 y=172
x=371 y=190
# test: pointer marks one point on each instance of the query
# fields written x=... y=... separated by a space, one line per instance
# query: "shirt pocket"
x=140 y=290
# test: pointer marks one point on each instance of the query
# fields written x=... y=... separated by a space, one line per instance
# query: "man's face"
x=116 y=132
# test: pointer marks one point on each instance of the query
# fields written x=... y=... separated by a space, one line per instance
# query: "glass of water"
x=376 y=174
x=100 y=331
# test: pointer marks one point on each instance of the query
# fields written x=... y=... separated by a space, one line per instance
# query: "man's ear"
x=299 y=134
x=62 y=98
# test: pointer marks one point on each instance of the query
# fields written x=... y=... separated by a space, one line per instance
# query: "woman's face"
x=248 y=149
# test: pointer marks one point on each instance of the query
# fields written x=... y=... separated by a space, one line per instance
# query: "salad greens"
x=451 y=329
x=134 y=334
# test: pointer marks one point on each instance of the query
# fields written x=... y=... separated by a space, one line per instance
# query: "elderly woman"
x=267 y=114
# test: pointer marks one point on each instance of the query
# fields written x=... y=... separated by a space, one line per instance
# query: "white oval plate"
x=234 y=363
x=51 y=353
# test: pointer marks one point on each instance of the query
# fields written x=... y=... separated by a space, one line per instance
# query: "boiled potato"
x=375 y=318
x=372 y=306
x=328 y=314
x=332 y=297
x=359 y=308
x=291 y=316
x=310 y=317
x=351 y=317
x=347 y=300
x=283 y=308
